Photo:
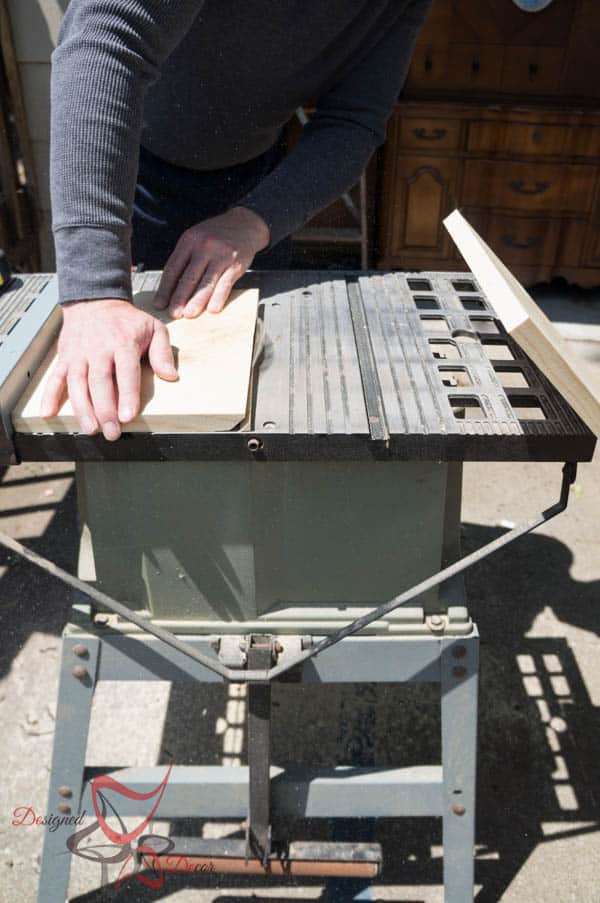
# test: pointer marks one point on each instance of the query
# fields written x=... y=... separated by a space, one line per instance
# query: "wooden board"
x=213 y=356
x=527 y=324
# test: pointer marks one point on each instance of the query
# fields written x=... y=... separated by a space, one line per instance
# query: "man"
x=204 y=89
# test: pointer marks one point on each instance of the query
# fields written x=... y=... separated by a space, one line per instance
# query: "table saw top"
x=355 y=366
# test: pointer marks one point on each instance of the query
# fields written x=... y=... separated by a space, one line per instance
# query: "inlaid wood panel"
x=424 y=194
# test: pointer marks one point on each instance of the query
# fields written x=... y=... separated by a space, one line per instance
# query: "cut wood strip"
x=527 y=324
x=214 y=359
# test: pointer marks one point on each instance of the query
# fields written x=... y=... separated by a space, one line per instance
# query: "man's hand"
x=99 y=351
x=208 y=260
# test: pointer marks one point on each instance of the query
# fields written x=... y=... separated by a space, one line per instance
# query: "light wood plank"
x=527 y=324
x=213 y=357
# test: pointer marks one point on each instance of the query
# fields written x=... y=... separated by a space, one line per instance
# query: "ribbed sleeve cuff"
x=272 y=208
x=93 y=262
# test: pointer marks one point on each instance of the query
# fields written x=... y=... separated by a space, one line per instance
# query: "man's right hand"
x=99 y=351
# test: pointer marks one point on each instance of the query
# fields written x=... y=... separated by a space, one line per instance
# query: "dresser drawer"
x=532 y=70
x=543 y=187
x=535 y=138
x=529 y=241
x=455 y=67
x=583 y=141
x=474 y=67
x=429 y=134
x=516 y=138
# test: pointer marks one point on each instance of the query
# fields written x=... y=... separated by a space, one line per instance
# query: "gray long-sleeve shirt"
x=207 y=84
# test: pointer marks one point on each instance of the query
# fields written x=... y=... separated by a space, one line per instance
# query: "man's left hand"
x=208 y=260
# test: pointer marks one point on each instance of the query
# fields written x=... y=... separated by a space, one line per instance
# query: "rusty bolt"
x=64 y=808
x=65 y=791
x=81 y=651
x=101 y=619
x=459 y=671
x=459 y=651
x=458 y=809
x=80 y=672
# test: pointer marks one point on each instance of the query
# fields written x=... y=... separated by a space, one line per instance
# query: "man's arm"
x=108 y=54
x=347 y=127
x=349 y=124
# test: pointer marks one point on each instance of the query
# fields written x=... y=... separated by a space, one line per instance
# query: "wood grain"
x=527 y=324
x=213 y=354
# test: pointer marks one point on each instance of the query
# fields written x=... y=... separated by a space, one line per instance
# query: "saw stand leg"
x=459 y=681
x=77 y=680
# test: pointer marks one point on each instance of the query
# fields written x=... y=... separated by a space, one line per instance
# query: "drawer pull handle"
x=537 y=136
x=430 y=134
x=511 y=242
x=519 y=186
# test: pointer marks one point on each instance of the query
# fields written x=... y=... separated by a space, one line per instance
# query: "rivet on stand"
x=81 y=651
x=459 y=671
x=458 y=651
x=80 y=672
x=65 y=791
x=457 y=809
x=64 y=808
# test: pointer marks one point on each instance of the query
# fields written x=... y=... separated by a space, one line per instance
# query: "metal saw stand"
x=441 y=649
x=449 y=658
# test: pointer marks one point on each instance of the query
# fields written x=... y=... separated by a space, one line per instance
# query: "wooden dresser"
x=500 y=117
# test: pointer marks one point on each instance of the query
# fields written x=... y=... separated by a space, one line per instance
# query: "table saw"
x=317 y=543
